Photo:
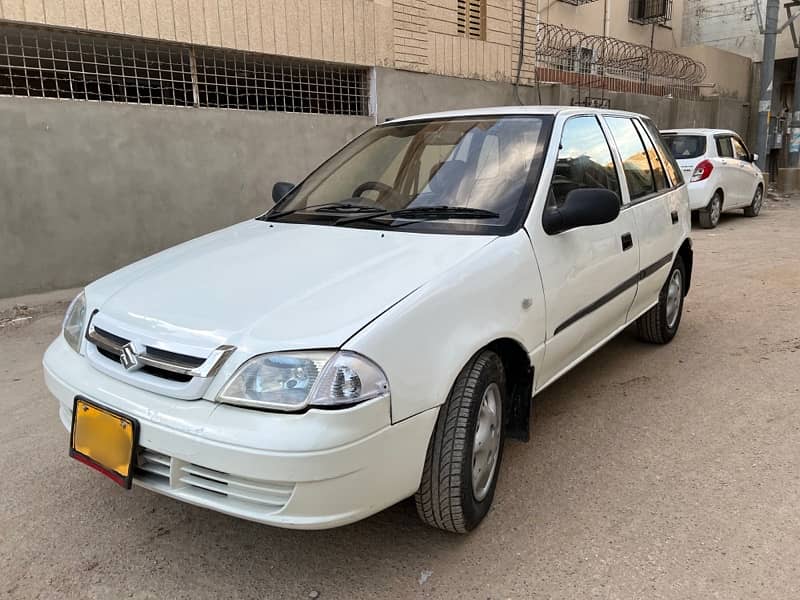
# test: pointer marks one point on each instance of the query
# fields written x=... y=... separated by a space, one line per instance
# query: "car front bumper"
x=314 y=470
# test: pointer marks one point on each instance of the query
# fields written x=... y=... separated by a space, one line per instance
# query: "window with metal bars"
x=472 y=18
x=646 y=12
x=54 y=63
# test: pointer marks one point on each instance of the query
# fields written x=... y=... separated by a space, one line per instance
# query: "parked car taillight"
x=702 y=171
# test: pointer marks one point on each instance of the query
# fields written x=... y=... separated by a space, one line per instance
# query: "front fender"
x=424 y=341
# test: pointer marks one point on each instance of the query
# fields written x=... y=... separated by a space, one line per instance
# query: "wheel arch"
x=686 y=252
x=519 y=385
x=721 y=192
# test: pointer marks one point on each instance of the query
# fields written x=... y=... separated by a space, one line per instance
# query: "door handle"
x=627 y=242
x=674 y=216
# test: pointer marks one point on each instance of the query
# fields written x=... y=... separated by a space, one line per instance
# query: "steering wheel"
x=381 y=188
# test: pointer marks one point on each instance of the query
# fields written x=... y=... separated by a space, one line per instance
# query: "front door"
x=748 y=175
x=731 y=173
x=588 y=273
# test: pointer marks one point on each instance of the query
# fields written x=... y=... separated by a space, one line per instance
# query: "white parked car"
x=721 y=171
x=379 y=332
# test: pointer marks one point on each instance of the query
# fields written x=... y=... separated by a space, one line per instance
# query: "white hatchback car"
x=721 y=171
x=379 y=332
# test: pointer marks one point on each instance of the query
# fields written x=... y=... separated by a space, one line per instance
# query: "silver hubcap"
x=674 y=292
x=758 y=200
x=486 y=445
x=716 y=209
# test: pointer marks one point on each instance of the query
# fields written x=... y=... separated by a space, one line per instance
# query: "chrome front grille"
x=184 y=479
x=145 y=362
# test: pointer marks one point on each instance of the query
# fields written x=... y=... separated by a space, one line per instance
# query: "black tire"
x=708 y=217
x=755 y=205
x=445 y=498
x=653 y=326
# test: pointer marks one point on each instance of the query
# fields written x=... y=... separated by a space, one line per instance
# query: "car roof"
x=507 y=111
x=699 y=131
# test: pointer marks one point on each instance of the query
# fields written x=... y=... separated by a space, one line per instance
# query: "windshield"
x=685 y=146
x=485 y=167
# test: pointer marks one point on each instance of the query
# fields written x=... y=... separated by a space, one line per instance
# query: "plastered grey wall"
x=402 y=93
x=87 y=187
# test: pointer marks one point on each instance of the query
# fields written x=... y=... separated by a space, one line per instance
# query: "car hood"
x=274 y=286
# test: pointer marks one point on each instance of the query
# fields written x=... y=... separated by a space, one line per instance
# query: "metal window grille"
x=472 y=18
x=52 y=63
x=646 y=12
x=578 y=2
x=249 y=81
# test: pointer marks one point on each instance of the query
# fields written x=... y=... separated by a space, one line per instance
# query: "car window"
x=655 y=160
x=667 y=158
x=739 y=150
x=724 y=147
x=685 y=146
x=584 y=160
x=490 y=164
x=635 y=161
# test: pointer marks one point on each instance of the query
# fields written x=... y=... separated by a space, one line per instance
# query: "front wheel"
x=660 y=324
x=755 y=205
x=466 y=448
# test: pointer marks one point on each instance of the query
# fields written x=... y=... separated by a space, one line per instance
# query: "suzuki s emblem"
x=128 y=357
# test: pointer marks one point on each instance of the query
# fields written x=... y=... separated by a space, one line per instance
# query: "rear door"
x=657 y=207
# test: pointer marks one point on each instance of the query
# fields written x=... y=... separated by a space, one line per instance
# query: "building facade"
x=131 y=125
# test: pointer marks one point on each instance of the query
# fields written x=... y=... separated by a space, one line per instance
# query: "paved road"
x=653 y=473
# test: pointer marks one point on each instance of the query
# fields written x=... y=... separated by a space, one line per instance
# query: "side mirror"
x=280 y=189
x=754 y=158
x=582 y=207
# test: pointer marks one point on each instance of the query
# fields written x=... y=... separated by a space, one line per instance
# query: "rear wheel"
x=660 y=324
x=709 y=216
x=755 y=205
x=466 y=448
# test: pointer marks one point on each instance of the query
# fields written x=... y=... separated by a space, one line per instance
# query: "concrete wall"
x=402 y=93
x=729 y=74
x=732 y=25
x=86 y=187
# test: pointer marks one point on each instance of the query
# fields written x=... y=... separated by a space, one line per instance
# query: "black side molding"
x=621 y=288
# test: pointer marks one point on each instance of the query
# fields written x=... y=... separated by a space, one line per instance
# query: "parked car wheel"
x=709 y=216
x=465 y=451
x=755 y=205
x=660 y=324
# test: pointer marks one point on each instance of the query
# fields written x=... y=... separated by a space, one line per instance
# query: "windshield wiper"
x=426 y=213
x=327 y=207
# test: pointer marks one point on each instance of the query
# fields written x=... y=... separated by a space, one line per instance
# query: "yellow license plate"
x=104 y=440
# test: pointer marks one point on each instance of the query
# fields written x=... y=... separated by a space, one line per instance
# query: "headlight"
x=294 y=380
x=74 y=322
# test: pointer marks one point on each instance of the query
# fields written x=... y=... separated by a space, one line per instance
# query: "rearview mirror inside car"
x=280 y=189
x=582 y=207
